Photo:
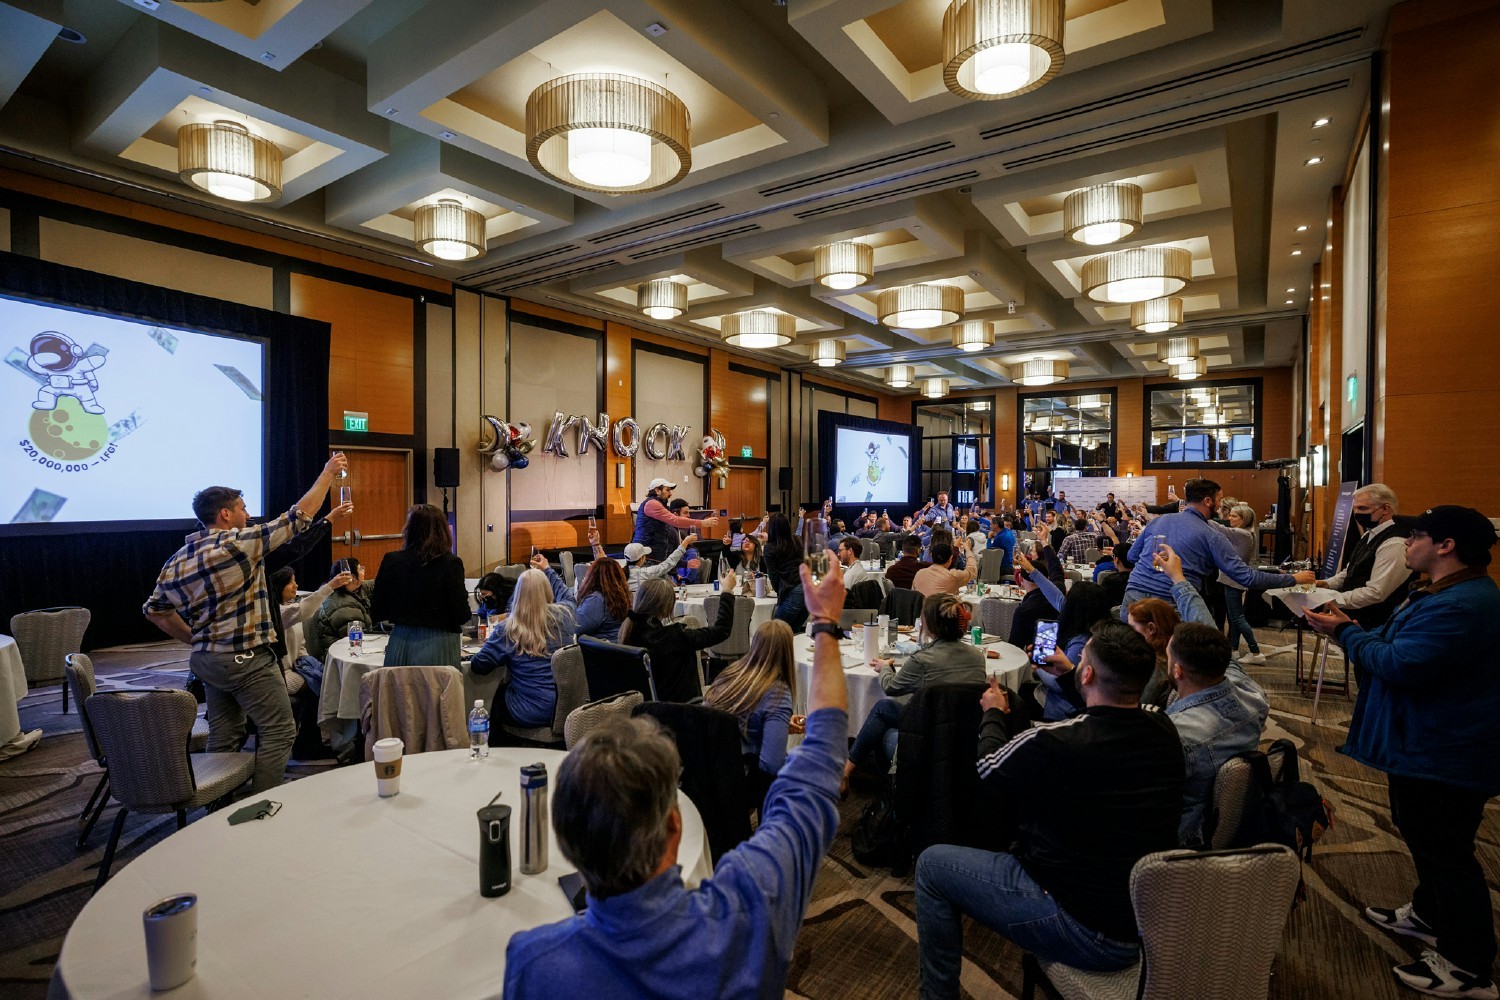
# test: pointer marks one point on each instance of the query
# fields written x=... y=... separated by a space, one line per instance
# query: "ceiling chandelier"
x=975 y=335
x=608 y=132
x=1039 y=371
x=846 y=264
x=1177 y=350
x=920 y=307
x=827 y=353
x=1137 y=275
x=758 y=328
x=935 y=388
x=661 y=298
x=1091 y=402
x=1195 y=368
x=228 y=161
x=1104 y=213
x=901 y=377
x=448 y=231
x=1156 y=315
x=994 y=49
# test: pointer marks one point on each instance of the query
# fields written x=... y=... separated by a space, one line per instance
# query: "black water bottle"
x=494 y=850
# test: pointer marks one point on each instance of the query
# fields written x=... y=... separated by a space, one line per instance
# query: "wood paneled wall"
x=370 y=351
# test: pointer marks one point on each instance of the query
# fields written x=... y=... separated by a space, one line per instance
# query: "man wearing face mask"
x=1374 y=579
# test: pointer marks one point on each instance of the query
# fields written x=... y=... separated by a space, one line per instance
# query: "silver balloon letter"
x=655 y=449
x=617 y=437
x=675 y=437
x=597 y=433
x=554 y=442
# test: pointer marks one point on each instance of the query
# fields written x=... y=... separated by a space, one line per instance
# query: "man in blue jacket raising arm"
x=1428 y=715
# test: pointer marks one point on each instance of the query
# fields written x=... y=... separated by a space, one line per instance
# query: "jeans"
x=248 y=684
x=995 y=890
x=879 y=733
x=1239 y=625
x=1439 y=823
x=792 y=609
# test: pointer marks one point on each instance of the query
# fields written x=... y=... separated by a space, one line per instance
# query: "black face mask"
x=1365 y=521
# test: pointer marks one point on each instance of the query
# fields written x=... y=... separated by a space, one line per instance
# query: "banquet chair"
x=991 y=565
x=580 y=570
x=868 y=594
x=572 y=691
x=80 y=679
x=1233 y=786
x=145 y=735
x=995 y=615
x=738 y=643
x=565 y=559
x=424 y=706
x=713 y=770
x=1092 y=555
x=1190 y=948
x=904 y=605
x=612 y=668
x=588 y=717
x=869 y=548
x=44 y=637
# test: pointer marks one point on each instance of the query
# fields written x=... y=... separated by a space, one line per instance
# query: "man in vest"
x=1375 y=578
x=656 y=526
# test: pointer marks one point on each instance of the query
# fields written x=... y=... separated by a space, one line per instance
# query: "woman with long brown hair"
x=603 y=600
x=1155 y=620
x=759 y=689
x=420 y=591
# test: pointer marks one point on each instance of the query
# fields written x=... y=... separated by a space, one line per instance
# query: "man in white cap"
x=655 y=525
x=639 y=565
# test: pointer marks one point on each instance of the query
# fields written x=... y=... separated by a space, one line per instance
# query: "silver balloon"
x=523 y=442
x=597 y=433
x=499 y=461
x=676 y=435
x=654 y=449
x=617 y=437
x=502 y=436
x=718 y=437
x=554 y=443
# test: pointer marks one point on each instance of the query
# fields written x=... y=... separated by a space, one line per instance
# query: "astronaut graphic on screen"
x=68 y=370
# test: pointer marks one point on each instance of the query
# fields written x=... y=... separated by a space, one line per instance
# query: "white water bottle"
x=479 y=731
x=356 y=637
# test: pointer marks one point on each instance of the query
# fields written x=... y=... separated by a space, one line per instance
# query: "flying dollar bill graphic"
x=165 y=338
x=39 y=507
x=238 y=378
x=125 y=425
x=17 y=359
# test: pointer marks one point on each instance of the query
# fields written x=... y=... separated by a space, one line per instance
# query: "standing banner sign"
x=1339 y=533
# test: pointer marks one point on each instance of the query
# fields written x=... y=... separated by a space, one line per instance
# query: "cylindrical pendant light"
x=994 y=49
x=827 y=353
x=448 y=231
x=1104 y=213
x=1137 y=275
x=934 y=388
x=975 y=335
x=228 y=161
x=1177 y=350
x=920 y=307
x=758 y=328
x=901 y=377
x=661 y=298
x=847 y=264
x=1191 y=369
x=1156 y=315
x=1039 y=371
x=1094 y=401
x=608 y=132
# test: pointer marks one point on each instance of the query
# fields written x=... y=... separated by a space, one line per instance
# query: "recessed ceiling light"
x=1291 y=291
x=1320 y=122
x=70 y=36
x=445 y=134
x=1301 y=229
x=1296 y=253
x=1289 y=302
x=391 y=112
x=268 y=57
x=1313 y=161
x=655 y=29
x=148 y=4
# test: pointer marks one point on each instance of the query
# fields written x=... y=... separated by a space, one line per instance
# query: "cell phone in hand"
x=1044 y=642
x=593 y=522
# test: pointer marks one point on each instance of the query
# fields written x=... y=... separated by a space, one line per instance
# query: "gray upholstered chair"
x=869 y=548
x=572 y=691
x=80 y=680
x=996 y=615
x=144 y=735
x=738 y=643
x=44 y=637
x=991 y=562
x=586 y=718
x=904 y=605
x=1210 y=925
x=1093 y=555
x=565 y=560
x=1232 y=787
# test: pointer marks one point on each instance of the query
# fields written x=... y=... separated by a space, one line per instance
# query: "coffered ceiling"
x=813 y=122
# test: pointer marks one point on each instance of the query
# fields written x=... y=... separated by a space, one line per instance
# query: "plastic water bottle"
x=356 y=637
x=479 y=731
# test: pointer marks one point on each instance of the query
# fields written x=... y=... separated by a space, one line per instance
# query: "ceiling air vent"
x=891 y=159
x=665 y=220
x=896 y=192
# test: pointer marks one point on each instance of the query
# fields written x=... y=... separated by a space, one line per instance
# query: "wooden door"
x=380 y=485
x=745 y=493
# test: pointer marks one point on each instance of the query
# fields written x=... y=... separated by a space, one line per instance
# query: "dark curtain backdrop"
x=112 y=572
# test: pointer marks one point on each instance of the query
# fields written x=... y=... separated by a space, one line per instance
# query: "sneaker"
x=1403 y=921
x=1436 y=976
x=1253 y=660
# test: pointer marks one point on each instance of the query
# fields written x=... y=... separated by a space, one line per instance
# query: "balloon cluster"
x=713 y=457
x=510 y=445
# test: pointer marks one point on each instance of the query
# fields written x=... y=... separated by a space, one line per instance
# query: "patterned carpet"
x=859 y=939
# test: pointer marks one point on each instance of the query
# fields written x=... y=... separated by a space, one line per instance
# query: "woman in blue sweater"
x=603 y=600
x=541 y=622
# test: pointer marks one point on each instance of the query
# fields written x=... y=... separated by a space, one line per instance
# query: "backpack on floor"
x=1283 y=809
x=877 y=839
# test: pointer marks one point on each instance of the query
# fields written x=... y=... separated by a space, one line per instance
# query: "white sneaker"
x=1404 y=921
x=1436 y=976
x=1253 y=660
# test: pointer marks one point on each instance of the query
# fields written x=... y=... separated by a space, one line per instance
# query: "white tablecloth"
x=864 y=682
x=697 y=606
x=341 y=894
x=338 y=702
x=12 y=688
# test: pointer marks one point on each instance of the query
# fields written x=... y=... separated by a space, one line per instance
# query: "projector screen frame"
x=829 y=423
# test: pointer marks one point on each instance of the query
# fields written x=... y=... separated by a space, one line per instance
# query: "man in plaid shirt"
x=212 y=595
x=1078 y=543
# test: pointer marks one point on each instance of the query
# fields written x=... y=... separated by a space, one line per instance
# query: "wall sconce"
x=1302 y=477
x=619 y=475
x=1005 y=482
x=1319 y=465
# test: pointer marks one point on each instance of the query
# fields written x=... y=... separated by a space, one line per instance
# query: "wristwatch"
x=829 y=628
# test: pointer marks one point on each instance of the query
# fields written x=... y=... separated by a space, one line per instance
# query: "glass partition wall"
x=1072 y=434
x=1193 y=425
x=958 y=449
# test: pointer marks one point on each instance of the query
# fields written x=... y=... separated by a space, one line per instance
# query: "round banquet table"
x=341 y=894
x=12 y=688
x=863 y=681
x=338 y=701
x=696 y=605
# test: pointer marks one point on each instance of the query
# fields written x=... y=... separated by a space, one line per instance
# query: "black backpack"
x=1282 y=809
x=877 y=839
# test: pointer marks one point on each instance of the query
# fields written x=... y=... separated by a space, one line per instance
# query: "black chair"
x=865 y=594
x=713 y=772
x=904 y=605
x=613 y=669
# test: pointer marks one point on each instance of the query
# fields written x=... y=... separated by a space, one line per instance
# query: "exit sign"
x=356 y=421
x=1351 y=388
x=745 y=451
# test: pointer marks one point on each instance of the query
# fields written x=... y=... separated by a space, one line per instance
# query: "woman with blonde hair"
x=759 y=689
x=673 y=645
x=541 y=621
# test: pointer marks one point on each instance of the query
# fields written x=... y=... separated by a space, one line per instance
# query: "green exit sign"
x=356 y=421
x=1351 y=387
x=745 y=451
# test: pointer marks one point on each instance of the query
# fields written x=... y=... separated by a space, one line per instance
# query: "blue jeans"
x=792 y=609
x=995 y=890
x=1239 y=625
x=879 y=733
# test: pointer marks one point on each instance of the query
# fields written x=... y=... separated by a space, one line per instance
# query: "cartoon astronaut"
x=69 y=371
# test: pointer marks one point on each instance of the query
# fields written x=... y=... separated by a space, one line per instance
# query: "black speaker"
x=784 y=478
x=445 y=467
